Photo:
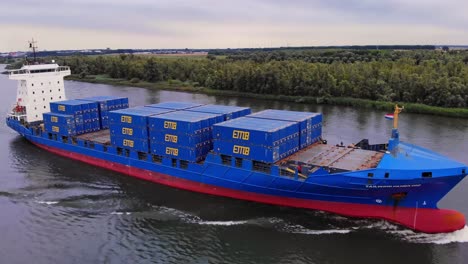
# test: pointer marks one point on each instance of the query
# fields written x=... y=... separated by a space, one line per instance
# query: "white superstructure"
x=38 y=85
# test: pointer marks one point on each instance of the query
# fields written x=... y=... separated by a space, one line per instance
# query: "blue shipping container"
x=106 y=102
x=58 y=118
x=135 y=117
x=62 y=129
x=256 y=131
x=189 y=154
x=128 y=131
x=184 y=122
x=131 y=143
x=174 y=105
x=182 y=139
x=305 y=119
x=257 y=152
x=228 y=112
x=68 y=107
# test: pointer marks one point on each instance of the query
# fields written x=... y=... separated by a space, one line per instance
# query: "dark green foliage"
x=427 y=77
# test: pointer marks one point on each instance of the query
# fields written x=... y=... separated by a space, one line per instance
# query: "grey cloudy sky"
x=79 y=24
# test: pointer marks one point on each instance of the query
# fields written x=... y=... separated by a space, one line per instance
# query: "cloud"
x=210 y=23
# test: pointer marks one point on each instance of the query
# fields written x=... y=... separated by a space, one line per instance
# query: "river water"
x=55 y=210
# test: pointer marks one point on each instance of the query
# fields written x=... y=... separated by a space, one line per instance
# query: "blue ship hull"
x=405 y=197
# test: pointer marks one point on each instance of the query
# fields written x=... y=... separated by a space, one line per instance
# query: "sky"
x=88 y=24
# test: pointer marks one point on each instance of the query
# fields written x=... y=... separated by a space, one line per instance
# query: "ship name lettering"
x=170 y=138
x=172 y=151
x=54 y=119
x=126 y=119
x=56 y=129
x=241 y=150
x=239 y=134
x=128 y=143
x=61 y=108
x=170 y=125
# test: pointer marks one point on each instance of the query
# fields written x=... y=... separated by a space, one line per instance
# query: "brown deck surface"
x=337 y=157
x=101 y=136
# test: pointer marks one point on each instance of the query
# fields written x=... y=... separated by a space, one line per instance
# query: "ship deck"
x=101 y=136
x=337 y=157
x=318 y=154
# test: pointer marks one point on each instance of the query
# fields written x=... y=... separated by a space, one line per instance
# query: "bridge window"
x=370 y=174
x=387 y=175
x=174 y=162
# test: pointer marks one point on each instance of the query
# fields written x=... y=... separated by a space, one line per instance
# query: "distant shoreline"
x=175 y=85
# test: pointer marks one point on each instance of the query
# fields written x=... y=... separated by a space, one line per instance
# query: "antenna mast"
x=32 y=45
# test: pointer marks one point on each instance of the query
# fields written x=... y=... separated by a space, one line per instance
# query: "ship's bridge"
x=38 y=86
x=40 y=68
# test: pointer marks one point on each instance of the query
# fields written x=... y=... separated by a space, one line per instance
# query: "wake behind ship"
x=273 y=156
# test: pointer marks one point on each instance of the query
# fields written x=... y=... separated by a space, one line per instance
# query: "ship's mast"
x=33 y=46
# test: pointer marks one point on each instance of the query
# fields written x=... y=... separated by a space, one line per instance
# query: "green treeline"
x=429 y=77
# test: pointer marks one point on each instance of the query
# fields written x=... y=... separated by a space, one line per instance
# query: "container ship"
x=275 y=157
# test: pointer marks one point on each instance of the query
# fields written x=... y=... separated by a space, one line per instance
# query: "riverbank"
x=175 y=85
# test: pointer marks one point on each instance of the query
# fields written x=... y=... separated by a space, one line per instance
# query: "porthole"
x=43 y=91
x=60 y=97
x=51 y=98
x=36 y=115
x=34 y=100
x=59 y=90
x=34 y=92
x=43 y=99
x=44 y=106
x=42 y=84
x=32 y=84
x=50 y=90
x=58 y=81
x=35 y=108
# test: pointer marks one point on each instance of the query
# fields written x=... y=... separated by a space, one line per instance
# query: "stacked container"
x=228 y=112
x=60 y=124
x=174 y=105
x=106 y=104
x=182 y=134
x=257 y=139
x=85 y=114
x=129 y=127
x=310 y=124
